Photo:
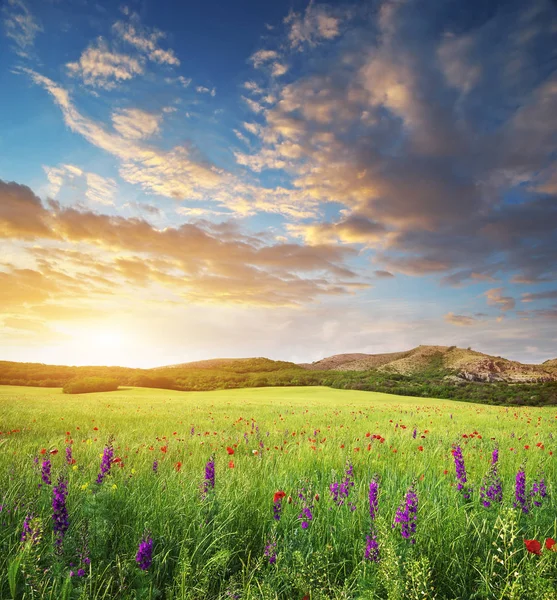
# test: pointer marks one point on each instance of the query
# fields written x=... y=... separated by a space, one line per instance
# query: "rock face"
x=467 y=365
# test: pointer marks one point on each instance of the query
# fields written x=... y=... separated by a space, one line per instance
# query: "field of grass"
x=224 y=542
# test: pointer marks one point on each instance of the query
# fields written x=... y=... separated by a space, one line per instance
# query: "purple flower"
x=372 y=547
x=271 y=551
x=407 y=515
x=414 y=433
x=277 y=510
x=491 y=490
x=155 y=466
x=106 y=463
x=209 y=482
x=29 y=532
x=69 y=455
x=60 y=519
x=306 y=514
x=460 y=472
x=341 y=491
x=495 y=456
x=373 y=497
x=520 y=491
x=45 y=471
x=538 y=491
x=144 y=556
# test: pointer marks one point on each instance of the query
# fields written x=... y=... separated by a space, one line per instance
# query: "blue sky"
x=290 y=179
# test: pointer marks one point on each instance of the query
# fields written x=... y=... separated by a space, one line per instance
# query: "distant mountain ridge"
x=463 y=363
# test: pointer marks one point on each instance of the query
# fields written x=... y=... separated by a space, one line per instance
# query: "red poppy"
x=95 y=428
x=231 y=464
x=533 y=546
x=230 y=450
x=55 y=451
x=178 y=466
x=550 y=544
x=164 y=449
x=43 y=450
x=421 y=448
x=278 y=496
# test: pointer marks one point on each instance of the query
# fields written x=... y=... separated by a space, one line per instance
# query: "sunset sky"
x=187 y=180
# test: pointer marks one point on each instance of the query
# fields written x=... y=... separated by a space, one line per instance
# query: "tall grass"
x=283 y=439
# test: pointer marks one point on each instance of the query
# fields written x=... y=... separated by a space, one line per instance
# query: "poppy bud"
x=289 y=499
x=317 y=497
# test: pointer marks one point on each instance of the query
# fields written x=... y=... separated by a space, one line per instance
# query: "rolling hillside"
x=457 y=362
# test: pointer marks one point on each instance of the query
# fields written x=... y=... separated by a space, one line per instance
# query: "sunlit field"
x=287 y=512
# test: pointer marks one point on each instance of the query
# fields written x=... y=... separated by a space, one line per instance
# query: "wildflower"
x=69 y=459
x=340 y=491
x=45 y=471
x=31 y=530
x=495 y=456
x=277 y=504
x=414 y=433
x=460 y=472
x=209 y=481
x=231 y=464
x=59 y=510
x=372 y=547
x=155 y=466
x=550 y=544
x=492 y=487
x=270 y=551
x=144 y=556
x=106 y=463
x=533 y=546
x=230 y=450
x=538 y=492
x=520 y=491
x=373 y=497
x=407 y=515
x=178 y=466
x=306 y=514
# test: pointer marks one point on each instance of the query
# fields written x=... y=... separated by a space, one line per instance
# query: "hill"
x=462 y=363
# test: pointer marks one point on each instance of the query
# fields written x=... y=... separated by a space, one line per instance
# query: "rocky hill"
x=461 y=363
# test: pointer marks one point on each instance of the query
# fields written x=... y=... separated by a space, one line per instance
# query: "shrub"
x=90 y=384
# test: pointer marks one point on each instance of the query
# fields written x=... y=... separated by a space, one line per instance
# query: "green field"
x=283 y=439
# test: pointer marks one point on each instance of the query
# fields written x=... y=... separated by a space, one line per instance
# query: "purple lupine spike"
x=209 y=481
x=373 y=497
x=144 y=556
x=414 y=433
x=341 y=491
x=520 y=491
x=407 y=515
x=69 y=455
x=45 y=471
x=538 y=492
x=372 y=547
x=106 y=463
x=27 y=532
x=491 y=490
x=155 y=466
x=495 y=456
x=460 y=470
x=60 y=519
x=306 y=514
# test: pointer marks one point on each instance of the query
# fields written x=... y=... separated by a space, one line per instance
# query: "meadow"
x=274 y=493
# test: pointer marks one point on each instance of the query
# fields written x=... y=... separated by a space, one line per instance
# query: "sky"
x=289 y=179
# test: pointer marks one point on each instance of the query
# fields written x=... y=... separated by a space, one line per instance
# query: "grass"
x=283 y=439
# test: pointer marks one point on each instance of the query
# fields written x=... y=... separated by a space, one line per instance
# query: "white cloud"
x=136 y=124
x=20 y=26
x=95 y=188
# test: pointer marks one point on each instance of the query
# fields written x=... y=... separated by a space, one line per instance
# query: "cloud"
x=319 y=22
x=262 y=57
x=460 y=320
x=99 y=66
x=97 y=189
x=403 y=123
x=353 y=229
x=383 y=274
x=21 y=26
x=135 y=124
x=145 y=40
x=534 y=296
x=105 y=65
x=495 y=297
x=201 y=89
x=202 y=262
